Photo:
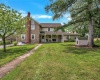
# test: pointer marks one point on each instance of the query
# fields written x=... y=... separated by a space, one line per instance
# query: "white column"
x=45 y=37
x=62 y=38
x=57 y=38
x=51 y=37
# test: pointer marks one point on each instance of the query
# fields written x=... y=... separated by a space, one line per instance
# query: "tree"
x=11 y=21
x=82 y=11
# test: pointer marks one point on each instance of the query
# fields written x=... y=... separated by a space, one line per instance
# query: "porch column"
x=45 y=37
x=51 y=37
x=62 y=40
x=57 y=38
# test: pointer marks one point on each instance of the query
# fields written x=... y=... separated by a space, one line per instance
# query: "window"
x=42 y=37
x=54 y=40
x=48 y=29
x=67 y=37
x=49 y=36
x=23 y=36
x=32 y=36
x=32 y=27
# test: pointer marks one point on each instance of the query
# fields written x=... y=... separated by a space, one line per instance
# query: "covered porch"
x=47 y=38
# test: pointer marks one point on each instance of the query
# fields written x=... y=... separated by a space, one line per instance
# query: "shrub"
x=71 y=40
x=15 y=43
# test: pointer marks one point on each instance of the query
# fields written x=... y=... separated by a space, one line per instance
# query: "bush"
x=71 y=40
x=15 y=43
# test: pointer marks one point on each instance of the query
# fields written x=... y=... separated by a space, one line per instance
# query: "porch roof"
x=58 y=33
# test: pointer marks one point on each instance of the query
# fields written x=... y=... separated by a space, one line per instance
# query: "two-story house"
x=43 y=32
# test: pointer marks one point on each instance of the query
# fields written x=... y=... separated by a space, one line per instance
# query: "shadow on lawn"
x=71 y=48
x=13 y=51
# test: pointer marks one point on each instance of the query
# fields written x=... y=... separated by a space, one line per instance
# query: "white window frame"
x=22 y=36
x=32 y=35
x=32 y=27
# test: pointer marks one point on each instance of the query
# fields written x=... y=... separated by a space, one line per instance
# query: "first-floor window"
x=22 y=36
x=42 y=37
x=32 y=36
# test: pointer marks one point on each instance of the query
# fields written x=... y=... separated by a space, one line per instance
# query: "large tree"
x=11 y=21
x=82 y=11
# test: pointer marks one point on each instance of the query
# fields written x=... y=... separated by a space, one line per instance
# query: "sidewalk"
x=6 y=68
x=1 y=46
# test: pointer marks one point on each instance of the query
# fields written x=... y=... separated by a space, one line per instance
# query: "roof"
x=50 y=25
x=59 y=33
x=82 y=38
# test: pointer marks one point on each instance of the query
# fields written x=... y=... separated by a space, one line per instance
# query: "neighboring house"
x=43 y=32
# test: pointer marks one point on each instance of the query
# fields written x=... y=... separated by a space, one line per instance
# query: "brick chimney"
x=28 y=37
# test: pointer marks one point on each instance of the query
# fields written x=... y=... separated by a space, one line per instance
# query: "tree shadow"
x=71 y=48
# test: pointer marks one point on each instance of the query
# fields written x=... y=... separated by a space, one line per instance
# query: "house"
x=43 y=32
x=81 y=41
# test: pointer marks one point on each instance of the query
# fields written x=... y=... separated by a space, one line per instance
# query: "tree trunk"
x=90 y=36
x=97 y=38
x=4 y=44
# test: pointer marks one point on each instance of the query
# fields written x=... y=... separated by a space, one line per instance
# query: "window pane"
x=22 y=36
x=32 y=27
x=32 y=36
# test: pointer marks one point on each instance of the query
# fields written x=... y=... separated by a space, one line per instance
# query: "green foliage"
x=11 y=22
x=59 y=61
x=70 y=40
x=15 y=43
x=60 y=28
x=7 y=42
x=13 y=52
x=59 y=7
x=83 y=13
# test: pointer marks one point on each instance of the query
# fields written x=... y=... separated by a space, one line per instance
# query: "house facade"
x=43 y=32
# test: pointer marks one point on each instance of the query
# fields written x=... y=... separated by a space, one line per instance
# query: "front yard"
x=59 y=61
x=13 y=52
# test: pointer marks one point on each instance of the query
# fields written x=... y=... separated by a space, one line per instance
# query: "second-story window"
x=32 y=27
x=48 y=29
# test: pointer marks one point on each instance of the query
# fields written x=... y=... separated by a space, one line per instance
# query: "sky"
x=36 y=8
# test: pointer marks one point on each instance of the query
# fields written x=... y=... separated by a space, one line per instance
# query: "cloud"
x=41 y=16
x=68 y=16
x=23 y=13
x=35 y=16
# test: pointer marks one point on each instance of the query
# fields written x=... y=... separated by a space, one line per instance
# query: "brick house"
x=43 y=32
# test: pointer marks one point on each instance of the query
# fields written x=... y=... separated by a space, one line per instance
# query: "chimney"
x=28 y=14
x=28 y=37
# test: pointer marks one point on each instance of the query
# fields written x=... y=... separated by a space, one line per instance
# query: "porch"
x=50 y=38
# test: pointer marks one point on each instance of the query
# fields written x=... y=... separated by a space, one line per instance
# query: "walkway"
x=1 y=46
x=11 y=65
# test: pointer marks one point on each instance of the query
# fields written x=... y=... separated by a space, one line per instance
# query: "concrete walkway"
x=1 y=46
x=11 y=65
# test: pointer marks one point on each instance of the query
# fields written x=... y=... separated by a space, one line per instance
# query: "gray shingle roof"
x=50 y=25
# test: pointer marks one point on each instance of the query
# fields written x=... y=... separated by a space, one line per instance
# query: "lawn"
x=13 y=52
x=59 y=61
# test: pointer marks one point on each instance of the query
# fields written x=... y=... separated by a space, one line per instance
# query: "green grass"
x=59 y=61
x=13 y=52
